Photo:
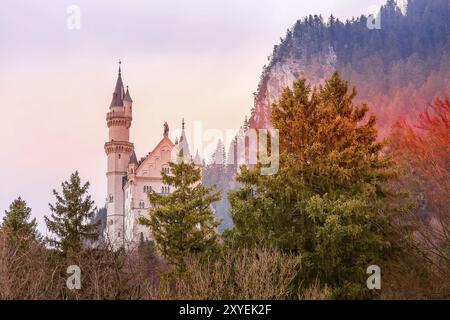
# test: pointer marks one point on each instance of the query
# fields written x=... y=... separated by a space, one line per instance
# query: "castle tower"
x=118 y=150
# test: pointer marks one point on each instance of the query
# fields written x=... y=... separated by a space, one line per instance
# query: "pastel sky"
x=197 y=59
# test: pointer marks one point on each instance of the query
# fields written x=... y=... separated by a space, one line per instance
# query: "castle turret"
x=118 y=150
x=132 y=166
x=183 y=144
x=128 y=103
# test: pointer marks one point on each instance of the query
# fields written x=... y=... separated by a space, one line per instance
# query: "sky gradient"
x=197 y=59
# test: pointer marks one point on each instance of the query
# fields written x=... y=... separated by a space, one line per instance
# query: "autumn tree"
x=329 y=201
x=182 y=222
x=423 y=150
x=71 y=215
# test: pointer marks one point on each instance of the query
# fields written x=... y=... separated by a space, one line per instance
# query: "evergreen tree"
x=17 y=225
x=182 y=222
x=328 y=201
x=219 y=155
x=71 y=216
x=246 y=124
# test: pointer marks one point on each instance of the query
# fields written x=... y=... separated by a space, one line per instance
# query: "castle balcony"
x=119 y=147
x=118 y=118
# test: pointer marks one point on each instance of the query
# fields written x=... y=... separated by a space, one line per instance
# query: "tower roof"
x=119 y=92
x=133 y=158
x=197 y=159
x=183 y=143
x=127 y=96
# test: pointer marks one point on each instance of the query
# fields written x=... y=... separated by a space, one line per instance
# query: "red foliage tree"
x=423 y=150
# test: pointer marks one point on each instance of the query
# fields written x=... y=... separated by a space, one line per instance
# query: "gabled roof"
x=164 y=139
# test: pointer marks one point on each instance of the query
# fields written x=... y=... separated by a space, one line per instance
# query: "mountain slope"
x=397 y=69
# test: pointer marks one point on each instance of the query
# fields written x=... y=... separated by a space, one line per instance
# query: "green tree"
x=17 y=224
x=329 y=200
x=182 y=222
x=70 y=216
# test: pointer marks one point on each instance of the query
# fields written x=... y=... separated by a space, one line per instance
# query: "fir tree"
x=219 y=155
x=71 y=216
x=328 y=200
x=182 y=222
x=246 y=124
x=17 y=225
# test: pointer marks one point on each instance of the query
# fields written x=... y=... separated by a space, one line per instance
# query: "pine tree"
x=246 y=124
x=17 y=225
x=71 y=215
x=182 y=222
x=328 y=201
x=219 y=155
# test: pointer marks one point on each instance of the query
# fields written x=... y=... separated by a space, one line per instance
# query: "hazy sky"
x=197 y=59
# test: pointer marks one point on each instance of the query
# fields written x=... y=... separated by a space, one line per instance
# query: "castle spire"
x=183 y=143
x=119 y=92
x=127 y=96
x=133 y=158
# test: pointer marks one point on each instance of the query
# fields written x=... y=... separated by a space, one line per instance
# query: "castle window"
x=119 y=234
x=165 y=190
x=119 y=155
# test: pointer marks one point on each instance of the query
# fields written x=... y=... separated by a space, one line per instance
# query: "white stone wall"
x=147 y=175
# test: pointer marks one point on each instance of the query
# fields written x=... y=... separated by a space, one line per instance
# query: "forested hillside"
x=397 y=69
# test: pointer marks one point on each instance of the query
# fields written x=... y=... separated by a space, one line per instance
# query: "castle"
x=130 y=180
